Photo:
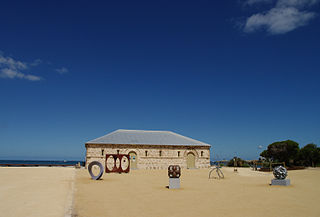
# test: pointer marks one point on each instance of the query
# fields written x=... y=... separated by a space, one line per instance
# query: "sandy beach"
x=59 y=192
x=247 y=193
x=39 y=191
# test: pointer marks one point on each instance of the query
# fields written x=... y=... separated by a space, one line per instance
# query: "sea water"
x=41 y=162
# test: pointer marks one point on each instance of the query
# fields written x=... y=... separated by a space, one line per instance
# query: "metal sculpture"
x=218 y=171
x=174 y=171
x=95 y=163
x=280 y=172
x=120 y=164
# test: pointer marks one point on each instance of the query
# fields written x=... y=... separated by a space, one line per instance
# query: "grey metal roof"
x=146 y=137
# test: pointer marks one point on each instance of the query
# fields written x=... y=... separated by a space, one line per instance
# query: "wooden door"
x=133 y=160
x=190 y=160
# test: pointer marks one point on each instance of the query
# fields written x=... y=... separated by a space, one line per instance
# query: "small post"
x=270 y=167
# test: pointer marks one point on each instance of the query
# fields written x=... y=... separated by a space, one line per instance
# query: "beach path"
x=38 y=191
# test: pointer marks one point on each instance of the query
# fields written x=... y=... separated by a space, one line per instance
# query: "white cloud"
x=62 y=70
x=296 y=3
x=14 y=64
x=286 y=16
x=32 y=77
x=11 y=69
x=11 y=73
x=278 y=20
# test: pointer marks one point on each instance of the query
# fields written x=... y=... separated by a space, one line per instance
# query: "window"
x=118 y=151
x=201 y=153
x=178 y=153
x=102 y=151
x=146 y=153
x=160 y=152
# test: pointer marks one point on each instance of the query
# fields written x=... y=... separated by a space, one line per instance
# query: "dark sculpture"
x=218 y=171
x=280 y=172
x=122 y=158
x=174 y=171
x=97 y=163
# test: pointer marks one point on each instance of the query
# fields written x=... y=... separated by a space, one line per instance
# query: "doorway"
x=191 y=160
x=133 y=160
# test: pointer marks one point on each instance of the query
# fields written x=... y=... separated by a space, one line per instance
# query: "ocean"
x=40 y=162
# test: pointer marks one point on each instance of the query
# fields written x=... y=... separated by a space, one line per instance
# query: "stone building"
x=150 y=149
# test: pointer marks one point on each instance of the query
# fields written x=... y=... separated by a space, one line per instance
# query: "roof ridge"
x=143 y=130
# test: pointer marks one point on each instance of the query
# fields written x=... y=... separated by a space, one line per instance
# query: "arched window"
x=146 y=153
x=160 y=153
x=201 y=153
x=178 y=153
x=118 y=151
x=102 y=151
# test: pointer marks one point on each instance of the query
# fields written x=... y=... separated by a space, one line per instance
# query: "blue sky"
x=235 y=74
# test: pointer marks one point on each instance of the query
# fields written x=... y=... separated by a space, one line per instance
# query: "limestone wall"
x=170 y=155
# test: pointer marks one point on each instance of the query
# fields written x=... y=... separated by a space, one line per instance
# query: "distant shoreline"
x=33 y=163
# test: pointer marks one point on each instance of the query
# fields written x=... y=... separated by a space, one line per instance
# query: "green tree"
x=309 y=155
x=265 y=154
x=283 y=151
